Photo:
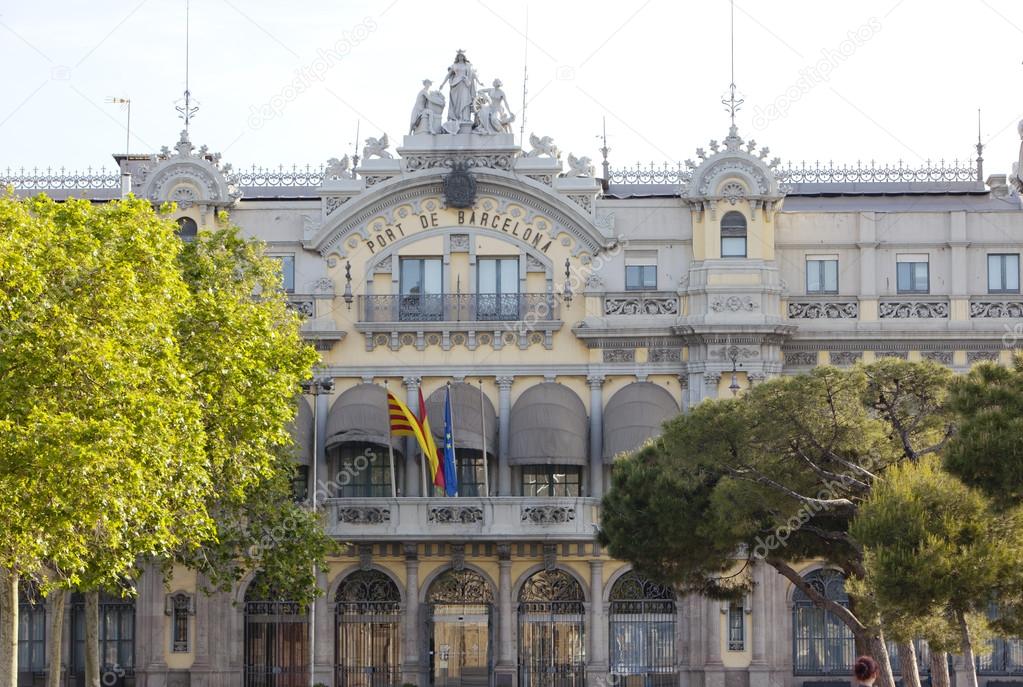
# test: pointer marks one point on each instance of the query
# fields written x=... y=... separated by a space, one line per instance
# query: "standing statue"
x=461 y=80
x=426 y=113
x=1018 y=167
x=493 y=114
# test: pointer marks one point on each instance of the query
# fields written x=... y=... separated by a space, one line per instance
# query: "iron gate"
x=367 y=631
x=276 y=644
x=552 y=647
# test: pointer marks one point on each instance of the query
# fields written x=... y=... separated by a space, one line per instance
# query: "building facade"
x=568 y=313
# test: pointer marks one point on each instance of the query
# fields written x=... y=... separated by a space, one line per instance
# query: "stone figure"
x=461 y=80
x=338 y=169
x=579 y=167
x=543 y=146
x=427 y=112
x=1017 y=168
x=493 y=114
x=376 y=147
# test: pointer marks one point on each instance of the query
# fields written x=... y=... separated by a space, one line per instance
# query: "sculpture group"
x=471 y=109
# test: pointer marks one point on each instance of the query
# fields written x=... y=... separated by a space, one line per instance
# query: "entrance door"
x=552 y=648
x=460 y=650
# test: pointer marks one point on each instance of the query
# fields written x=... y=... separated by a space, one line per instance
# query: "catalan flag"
x=405 y=423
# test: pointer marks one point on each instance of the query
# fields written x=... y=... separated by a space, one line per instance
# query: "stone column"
x=202 y=621
x=867 y=243
x=714 y=669
x=413 y=473
x=710 y=383
x=411 y=667
x=505 y=667
x=321 y=410
x=504 y=481
x=958 y=242
x=323 y=654
x=596 y=436
x=596 y=668
x=759 y=675
x=683 y=385
x=150 y=606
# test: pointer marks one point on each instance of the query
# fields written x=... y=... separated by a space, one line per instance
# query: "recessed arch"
x=433 y=577
x=335 y=584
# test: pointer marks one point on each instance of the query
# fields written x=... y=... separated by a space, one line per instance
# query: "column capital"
x=504 y=553
x=411 y=552
x=505 y=381
x=683 y=381
x=595 y=381
x=411 y=382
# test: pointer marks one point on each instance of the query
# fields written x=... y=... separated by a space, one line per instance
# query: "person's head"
x=866 y=669
x=497 y=83
x=427 y=83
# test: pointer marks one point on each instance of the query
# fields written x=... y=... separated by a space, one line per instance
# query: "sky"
x=292 y=82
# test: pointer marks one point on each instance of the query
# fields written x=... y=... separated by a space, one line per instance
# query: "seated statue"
x=426 y=113
x=493 y=116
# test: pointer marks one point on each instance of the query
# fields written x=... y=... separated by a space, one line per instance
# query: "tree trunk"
x=8 y=628
x=56 y=602
x=879 y=650
x=908 y=665
x=92 y=639
x=969 y=662
x=939 y=669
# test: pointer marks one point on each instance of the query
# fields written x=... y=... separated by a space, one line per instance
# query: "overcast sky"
x=289 y=82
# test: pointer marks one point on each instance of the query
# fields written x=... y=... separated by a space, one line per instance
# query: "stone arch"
x=335 y=584
x=428 y=582
x=529 y=572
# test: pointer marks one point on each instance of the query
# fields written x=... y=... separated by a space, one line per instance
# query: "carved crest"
x=459 y=187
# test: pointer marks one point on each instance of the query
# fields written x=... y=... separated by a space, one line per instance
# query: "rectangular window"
x=733 y=246
x=181 y=608
x=822 y=274
x=551 y=480
x=300 y=483
x=422 y=289
x=736 y=626
x=469 y=469
x=1003 y=273
x=287 y=270
x=362 y=471
x=639 y=277
x=497 y=289
x=913 y=273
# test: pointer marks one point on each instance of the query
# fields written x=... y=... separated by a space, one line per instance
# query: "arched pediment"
x=185 y=178
x=734 y=172
x=514 y=198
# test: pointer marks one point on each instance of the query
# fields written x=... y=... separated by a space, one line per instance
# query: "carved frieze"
x=734 y=304
x=619 y=355
x=641 y=304
x=363 y=515
x=548 y=515
x=1012 y=309
x=981 y=357
x=819 y=310
x=940 y=357
x=455 y=514
x=912 y=310
x=844 y=357
x=800 y=357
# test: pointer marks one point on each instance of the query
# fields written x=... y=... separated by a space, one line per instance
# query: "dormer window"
x=733 y=235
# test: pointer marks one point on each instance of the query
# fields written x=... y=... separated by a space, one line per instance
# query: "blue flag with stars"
x=450 y=477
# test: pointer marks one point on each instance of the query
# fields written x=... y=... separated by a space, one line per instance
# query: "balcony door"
x=497 y=289
x=422 y=289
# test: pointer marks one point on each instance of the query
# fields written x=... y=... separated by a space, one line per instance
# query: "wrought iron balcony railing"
x=470 y=307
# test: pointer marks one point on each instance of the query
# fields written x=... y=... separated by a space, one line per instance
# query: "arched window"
x=552 y=648
x=1003 y=655
x=31 y=633
x=821 y=643
x=116 y=639
x=276 y=640
x=460 y=650
x=733 y=235
x=187 y=228
x=367 y=612
x=642 y=636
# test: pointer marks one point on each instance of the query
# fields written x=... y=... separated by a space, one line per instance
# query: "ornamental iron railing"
x=475 y=307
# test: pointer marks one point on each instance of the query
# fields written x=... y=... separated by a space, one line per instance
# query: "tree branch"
x=840 y=611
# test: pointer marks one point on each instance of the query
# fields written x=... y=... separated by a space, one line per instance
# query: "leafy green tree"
x=934 y=545
x=100 y=458
x=776 y=475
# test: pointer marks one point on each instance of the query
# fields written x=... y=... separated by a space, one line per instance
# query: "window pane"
x=487 y=277
x=411 y=276
x=509 y=275
x=904 y=281
x=650 y=276
x=733 y=246
x=1012 y=272
x=633 y=278
x=288 y=272
x=830 y=275
x=813 y=276
x=994 y=273
x=920 y=276
x=432 y=270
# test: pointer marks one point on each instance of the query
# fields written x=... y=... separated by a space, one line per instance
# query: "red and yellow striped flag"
x=405 y=423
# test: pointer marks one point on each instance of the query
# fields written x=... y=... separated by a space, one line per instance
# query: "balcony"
x=448 y=320
x=507 y=518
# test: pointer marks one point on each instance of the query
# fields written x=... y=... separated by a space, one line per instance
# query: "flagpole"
x=483 y=426
x=390 y=445
x=454 y=451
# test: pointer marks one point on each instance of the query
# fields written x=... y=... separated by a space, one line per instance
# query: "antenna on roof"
x=186 y=110
x=732 y=104
x=525 y=81
x=980 y=151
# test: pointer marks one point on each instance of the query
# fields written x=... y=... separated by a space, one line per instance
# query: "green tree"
x=935 y=546
x=100 y=458
x=776 y=475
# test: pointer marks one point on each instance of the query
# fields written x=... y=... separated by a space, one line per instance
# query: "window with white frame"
x=736 y=626
x=287 y=269
x=822 y=274
x=1003 y=273
x=733 y=235
x=640 y=270
x=913 y=273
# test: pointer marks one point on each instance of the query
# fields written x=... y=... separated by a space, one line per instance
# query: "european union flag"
x=450 y=477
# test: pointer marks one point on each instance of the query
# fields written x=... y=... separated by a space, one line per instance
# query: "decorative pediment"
x=733 y=172
x=185 y=177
